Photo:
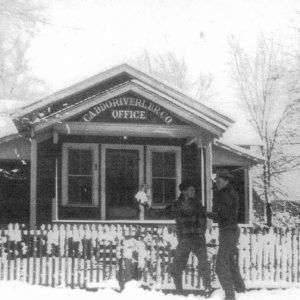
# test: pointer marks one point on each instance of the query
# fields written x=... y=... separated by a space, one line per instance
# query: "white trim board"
x=121 y=129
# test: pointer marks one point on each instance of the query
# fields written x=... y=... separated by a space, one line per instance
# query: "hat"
x=224 y=173
x=185 y=185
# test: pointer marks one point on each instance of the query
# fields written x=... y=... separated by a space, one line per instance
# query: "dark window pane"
x=169 y=164
x=80 y=190
x=80 y=162
x=164 y=191
x=163 y=177
x=157 y=164
x=157 y=191
x=169 y=190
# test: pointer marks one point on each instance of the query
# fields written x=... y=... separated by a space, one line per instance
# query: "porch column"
x=200 y=170
x=208 y=172
x=33 y=182
x=55 y=199
x=205 y=157
x=248 y=194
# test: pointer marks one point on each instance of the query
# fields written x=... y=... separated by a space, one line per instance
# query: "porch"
x=49 y=189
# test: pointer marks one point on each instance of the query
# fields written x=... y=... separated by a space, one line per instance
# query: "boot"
x=229 y=295
x=240 y=289
x=178 y=283
x=240 y=286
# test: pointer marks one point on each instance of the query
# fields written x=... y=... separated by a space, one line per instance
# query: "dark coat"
x=190 y=217
x=226 y=207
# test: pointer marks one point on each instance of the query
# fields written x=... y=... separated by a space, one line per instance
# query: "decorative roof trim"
x=186 y=112
x=149 y=80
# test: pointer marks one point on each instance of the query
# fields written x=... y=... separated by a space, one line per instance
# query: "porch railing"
x=83 y=255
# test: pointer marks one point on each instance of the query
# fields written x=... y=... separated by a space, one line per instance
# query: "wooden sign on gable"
x=129 y=109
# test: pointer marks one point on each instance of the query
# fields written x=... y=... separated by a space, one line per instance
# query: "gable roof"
x=118 y=79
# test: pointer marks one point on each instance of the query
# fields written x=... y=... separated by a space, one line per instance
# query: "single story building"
x=82 y=153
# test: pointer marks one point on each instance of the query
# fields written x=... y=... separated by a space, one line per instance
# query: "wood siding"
x=45 y=181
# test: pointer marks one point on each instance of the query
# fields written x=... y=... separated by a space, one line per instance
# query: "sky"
x=89 y=36
x=86 y=37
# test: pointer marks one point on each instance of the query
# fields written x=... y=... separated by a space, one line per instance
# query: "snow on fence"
x=88 y=254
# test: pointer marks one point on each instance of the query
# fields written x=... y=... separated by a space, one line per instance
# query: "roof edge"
x=240 y=151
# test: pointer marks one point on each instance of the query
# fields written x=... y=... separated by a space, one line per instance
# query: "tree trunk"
x=267 y=187
x=269 y=214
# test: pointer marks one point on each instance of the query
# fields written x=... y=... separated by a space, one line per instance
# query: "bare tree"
x=174 y=70
x=19 y=20
x=267 y=94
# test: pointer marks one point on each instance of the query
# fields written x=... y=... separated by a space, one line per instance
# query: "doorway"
x=122 y=174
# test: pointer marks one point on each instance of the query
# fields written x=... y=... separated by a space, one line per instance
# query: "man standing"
x=225 y=213
x=190 y=217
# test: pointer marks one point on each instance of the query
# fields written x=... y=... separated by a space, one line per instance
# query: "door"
x=123 y=176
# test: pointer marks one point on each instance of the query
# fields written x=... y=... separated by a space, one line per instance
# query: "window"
x=80 y=174
x=163 y=173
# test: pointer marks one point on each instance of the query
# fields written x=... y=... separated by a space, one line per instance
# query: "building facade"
x=86 y=151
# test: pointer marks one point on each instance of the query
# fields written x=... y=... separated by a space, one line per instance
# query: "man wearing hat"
x=225 y=213
x=190 y=217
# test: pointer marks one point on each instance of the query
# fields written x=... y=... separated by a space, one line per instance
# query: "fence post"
x=28 y=256
x=61 y=246
x=276 y=245
x=263 y=254
x=293 y=254
x=120 y=276
x=9 y=250
x=298 y=255
x=289 y=254
x=91 y=252
x=53 y=256
x=2 y=255
x=98 y=255
x=14 y=250
x=34 y=256
x=84 y=241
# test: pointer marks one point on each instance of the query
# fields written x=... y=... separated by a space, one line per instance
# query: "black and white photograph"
x=150 y=149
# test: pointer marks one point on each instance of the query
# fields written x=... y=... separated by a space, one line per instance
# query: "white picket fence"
x=80 y=255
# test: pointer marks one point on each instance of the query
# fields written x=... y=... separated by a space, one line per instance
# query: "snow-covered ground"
x=17 y=290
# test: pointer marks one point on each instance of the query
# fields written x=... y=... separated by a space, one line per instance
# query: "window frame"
x=149 y=177
x=65 y=173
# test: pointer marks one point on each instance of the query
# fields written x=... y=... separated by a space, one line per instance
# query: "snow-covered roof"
x=239 y=151
x=7 y=127
x=8 y=106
